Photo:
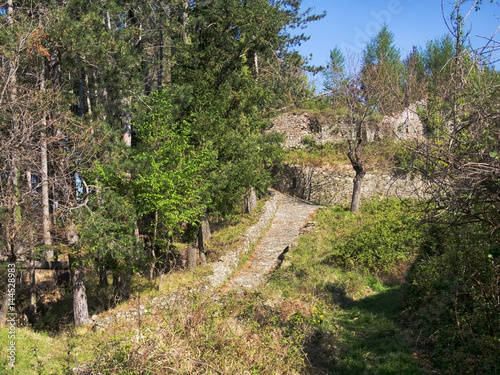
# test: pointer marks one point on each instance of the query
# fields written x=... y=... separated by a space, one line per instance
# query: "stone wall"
x=299 y=126
x=325 y=185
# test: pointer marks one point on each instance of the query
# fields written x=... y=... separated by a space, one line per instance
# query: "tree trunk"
x=4 y=310
x=354 y=155
x=201 y=248
x=87 y=94
x=152 y=265
x=31 y=269
x=127 y=129
x=356 y=191
x=256 y=63
x=81 y=105
x=160 y=61
x=32 y=308
x=10 y=13
x=121 y=282
x=185 y=34
x=80 y=307
x=192 y=258
x=103 y=277
x=17 y=219
x=47 y=239
x=5 y=303
x=250 y=200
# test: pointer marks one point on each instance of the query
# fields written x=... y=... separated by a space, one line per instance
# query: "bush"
x=452 y=299
x=384 y=235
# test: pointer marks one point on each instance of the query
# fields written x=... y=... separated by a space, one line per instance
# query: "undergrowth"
x=383 y=155
x=334 y=307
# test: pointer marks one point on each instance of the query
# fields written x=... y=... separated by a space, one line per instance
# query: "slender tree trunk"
x=185 y=23
x=127 y=129
x=192 y=258
x=160 y=61
x=103 y=276
x=16 y=206
x=81 y=105
x=256 y=63
x=5 y=308
x=15 y=212
x=32 y=310
x=153 y=245
x=47 y=238
x=250 y=200
x=204 y=235
x=12 y=206
x=354 y=155
x=10 y=13
x=87 y=93
x=356 y=191
x=107 y=20
x=80 y=307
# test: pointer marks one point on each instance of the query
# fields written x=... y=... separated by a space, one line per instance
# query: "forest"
x=130 y=129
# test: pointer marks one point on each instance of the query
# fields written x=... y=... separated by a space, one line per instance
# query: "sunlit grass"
x=311 y=318
x=379 y=156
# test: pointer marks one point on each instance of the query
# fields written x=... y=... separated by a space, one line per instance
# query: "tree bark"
x=80 y=306
x=152 y=265
x=356 y=191
x=127 y=129
x=250 y=200
x=10 y=13
x=5 y=303
x=81 y=105
x=192 y=258
x=47 y=238
x=354 y=155
x=203 y=235
x=185 y=16
x=32 y=308
x=256 y=63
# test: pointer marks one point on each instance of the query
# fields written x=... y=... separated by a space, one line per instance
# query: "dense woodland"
x=126 y=126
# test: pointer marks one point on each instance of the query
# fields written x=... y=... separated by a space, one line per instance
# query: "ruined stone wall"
x=300 y=126
x=296 y=127
x=325 y=185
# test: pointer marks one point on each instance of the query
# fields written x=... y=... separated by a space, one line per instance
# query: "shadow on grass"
x=363 y=337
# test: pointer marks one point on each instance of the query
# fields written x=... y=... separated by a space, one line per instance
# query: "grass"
x=311 y=318
x=381 y=156
x=227 y=234
x=35 y=352
x=371 y=340
x=356 y=326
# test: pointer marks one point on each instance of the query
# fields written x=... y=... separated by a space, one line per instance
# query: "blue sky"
x=349 y=24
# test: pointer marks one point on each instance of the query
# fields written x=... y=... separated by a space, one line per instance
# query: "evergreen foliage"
x=187 y=86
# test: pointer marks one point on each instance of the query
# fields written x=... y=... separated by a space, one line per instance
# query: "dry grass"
x=379 y=156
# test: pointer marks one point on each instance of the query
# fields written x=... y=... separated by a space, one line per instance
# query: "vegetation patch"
x=384 y=155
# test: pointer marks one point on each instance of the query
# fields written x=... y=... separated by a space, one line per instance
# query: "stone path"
x=291 y=217
x=282 y=220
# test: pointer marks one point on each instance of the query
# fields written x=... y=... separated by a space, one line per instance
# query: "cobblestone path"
x=282 y=220
x=291 y=217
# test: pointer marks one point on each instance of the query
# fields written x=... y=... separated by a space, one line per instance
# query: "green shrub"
x=452 y=299
x=384 y=235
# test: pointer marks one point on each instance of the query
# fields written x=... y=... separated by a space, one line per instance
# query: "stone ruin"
x=300 y=128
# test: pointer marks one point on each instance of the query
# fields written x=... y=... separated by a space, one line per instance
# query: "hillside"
x=293 y=325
